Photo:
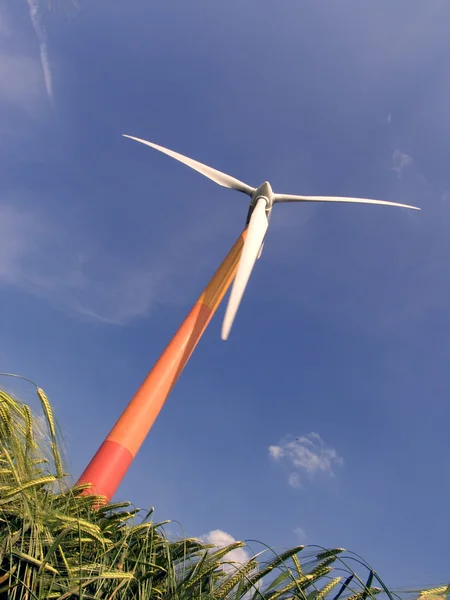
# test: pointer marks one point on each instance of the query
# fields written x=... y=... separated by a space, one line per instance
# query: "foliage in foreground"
x=53 y=544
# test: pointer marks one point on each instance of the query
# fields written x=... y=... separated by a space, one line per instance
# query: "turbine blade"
x=256 y=231
x=260 y=251
x=264 y=239
x=221 y=178
x=290 y=198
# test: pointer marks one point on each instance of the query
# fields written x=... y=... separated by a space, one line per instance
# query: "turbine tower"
x=107 y=468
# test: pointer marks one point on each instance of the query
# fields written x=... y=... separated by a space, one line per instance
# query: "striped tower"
x=112 y=460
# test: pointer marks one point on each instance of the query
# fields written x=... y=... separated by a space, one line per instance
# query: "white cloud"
x=301 y=535
x=400 y=162
x=221 y=539
x=276 y=452
x=39 y=29
x=305 y=456
x=294 y=481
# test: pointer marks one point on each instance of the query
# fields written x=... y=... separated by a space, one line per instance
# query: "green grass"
x=54 y=544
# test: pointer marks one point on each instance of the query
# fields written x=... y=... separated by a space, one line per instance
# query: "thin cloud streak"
x=36 y=20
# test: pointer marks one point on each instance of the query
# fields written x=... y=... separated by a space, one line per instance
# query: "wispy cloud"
x=41 y=258
x=400 y=162
x=221 y=539
x=301 y=535
x=29 y=244
x=19 y=84
x=305 y=456
x=276 y=452
x=20 y=80
x=294 y=481
x=41 y=34
x=75 y=274
x=16 y=240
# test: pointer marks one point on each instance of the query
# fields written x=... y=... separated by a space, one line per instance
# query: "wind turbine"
x=113 y=458
x=262 y=201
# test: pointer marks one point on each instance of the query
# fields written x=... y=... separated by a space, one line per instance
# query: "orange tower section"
x=112 y=460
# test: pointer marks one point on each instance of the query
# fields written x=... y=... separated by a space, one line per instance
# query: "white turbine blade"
x=264 y=240
x=260 y=251
x=290 y=198
x=217 y=176
x=256 y=231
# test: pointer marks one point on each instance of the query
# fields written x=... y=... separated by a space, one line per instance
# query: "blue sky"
x=342 y=339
